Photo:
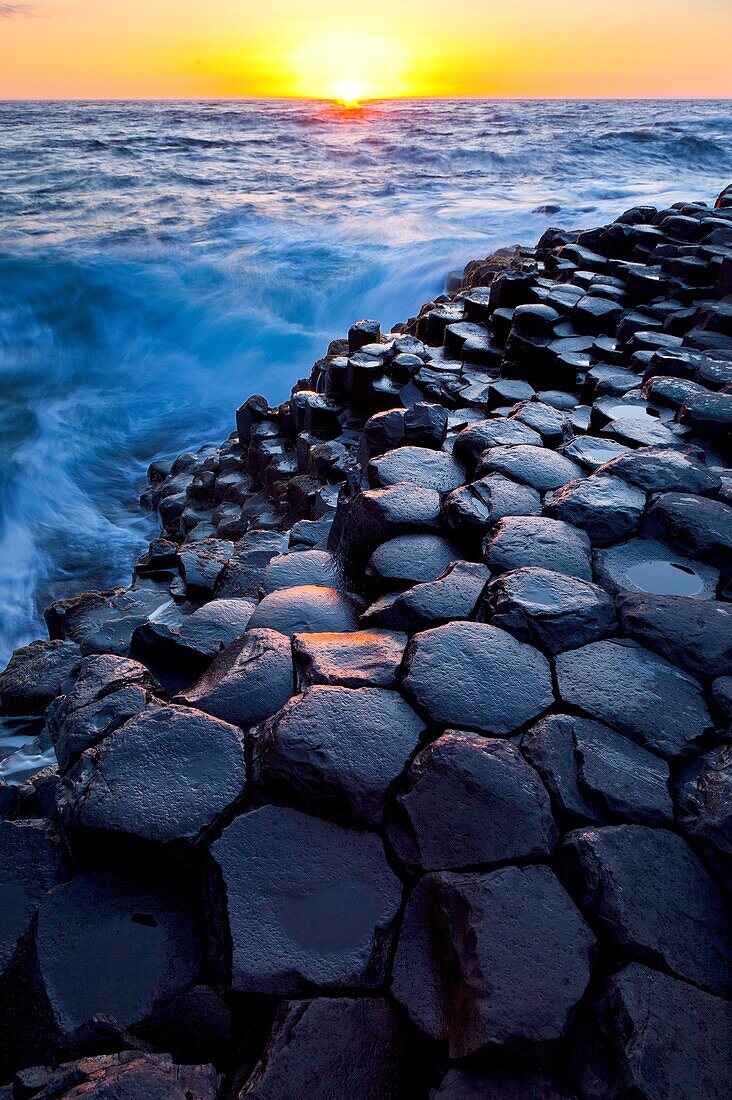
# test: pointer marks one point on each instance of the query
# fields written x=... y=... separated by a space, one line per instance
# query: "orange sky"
x=378 y=48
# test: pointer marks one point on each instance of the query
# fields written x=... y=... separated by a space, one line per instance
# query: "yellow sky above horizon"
x=364 y=48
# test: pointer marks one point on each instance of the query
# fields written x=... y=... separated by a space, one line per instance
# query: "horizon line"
x=368 y=99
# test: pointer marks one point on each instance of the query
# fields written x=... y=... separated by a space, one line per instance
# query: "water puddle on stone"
x=332 y=917
x=665 y=578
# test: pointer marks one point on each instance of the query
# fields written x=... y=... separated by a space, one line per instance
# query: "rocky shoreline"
x=402 y=768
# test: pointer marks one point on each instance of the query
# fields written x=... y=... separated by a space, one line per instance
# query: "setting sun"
x=349 y=64
x=349 y=93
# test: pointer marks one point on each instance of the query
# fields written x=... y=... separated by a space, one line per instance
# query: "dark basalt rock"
x=130 y=1075
x=474 y=509
x=704 y=798
x=647 y=566
x=650 y=901
x=166 y=775
x=243 y=572
x=410 y=559
x=538 y=467
x=607 y=508
x=593 y=453
x=305 y=609
x=335 y=1049
x=374 y=516
x=484 y=434
x=651 y=1036
x=636 y=692
x=551 y=424
x=193 y=1025
x=695 y=634
x=306 y=567
x=476 y=676
x=309 y=903
x=661 y=470
x=190 y=642
x=538 y=541
x=497 y=960
x=454 y=595
x=419 y=466
x=105 y=623
x=548 y=609
x=88 y=931
x=202 y=562
x=248 y=682
x=105 y=692
x=469 y=1084
x=594 y=774
x=364 y=658
x=693 y=525
x=337 y=752
x=35 y=675
x=31 y=863
x=471 y=800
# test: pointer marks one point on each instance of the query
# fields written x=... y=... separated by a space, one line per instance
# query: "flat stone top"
x=477 y=677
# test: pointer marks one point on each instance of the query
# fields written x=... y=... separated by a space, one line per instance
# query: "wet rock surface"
x=402 y=767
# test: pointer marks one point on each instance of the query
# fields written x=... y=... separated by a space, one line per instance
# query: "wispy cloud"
x=7 y=11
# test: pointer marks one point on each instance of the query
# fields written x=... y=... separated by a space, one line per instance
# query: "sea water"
x=161 y=261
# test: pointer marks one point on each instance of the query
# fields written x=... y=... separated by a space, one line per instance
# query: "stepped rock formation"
x=402 y=768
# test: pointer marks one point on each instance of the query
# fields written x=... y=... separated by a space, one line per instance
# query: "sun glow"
x=349 y=65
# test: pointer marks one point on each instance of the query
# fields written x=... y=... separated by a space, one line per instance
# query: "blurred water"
x=159 y=262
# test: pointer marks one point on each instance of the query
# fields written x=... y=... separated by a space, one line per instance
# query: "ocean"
x=161 y=261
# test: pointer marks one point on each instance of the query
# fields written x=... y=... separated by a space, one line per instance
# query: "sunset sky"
x=364 y=48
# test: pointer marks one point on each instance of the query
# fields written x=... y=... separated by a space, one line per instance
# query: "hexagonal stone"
x=471 y=800
x=31 y=863
x=591 y=452
x=663 y=470
x=303 y=567
x=410 y=559
x=452 y=596
x=548 y=609
x=305 y=609
x=652 y=1036
x=202 y=562
x=496 y=960
x=696 y=634
x=337 y=752
x=418 y=465
x=544 y=419
x=644 y=565
x=607 y=508
x=248 y=682
x=693 y=525
x=35 y=675
x=594 y=774
x=651 y=900
x=167 y=774
x=477 y=677
x=106 y=691
x=538 y=467
x=704 y=798
x=190 y=642
x=374 y=516
x=538 y=541
x=88 y=932
x=478 y=437
x=334 y=1047
x=364 y=658
x=636 y=692
x=309 y=903
x=475 y=508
